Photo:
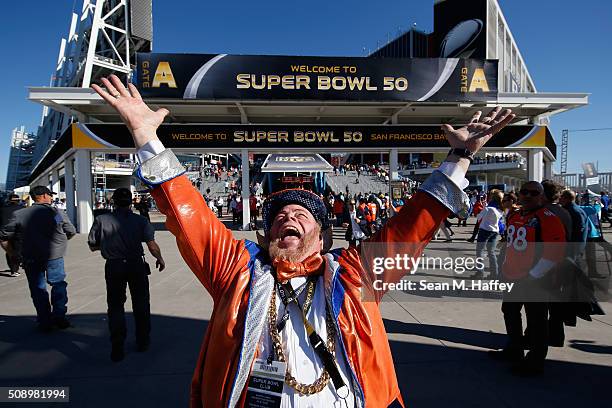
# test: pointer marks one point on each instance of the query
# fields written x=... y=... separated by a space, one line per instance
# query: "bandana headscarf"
x=285 y=270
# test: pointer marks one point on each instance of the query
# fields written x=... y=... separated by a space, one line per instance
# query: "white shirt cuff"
x=541 y=268
x=149 y=150
x=455 y=173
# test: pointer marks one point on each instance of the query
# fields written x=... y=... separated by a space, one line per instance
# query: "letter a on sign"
x=163 y=75
x=479 y=81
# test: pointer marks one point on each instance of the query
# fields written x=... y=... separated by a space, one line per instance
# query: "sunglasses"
x=532 y=193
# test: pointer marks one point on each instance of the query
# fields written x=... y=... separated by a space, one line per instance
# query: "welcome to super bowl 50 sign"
x=245 y=77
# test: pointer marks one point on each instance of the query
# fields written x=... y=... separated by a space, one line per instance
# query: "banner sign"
x=270 y=138
x=591 y=177
x=283 y=137
x=262 y=77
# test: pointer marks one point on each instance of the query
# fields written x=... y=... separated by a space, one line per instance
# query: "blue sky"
x=567 y=46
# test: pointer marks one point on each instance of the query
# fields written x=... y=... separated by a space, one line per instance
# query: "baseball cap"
x=40 y=190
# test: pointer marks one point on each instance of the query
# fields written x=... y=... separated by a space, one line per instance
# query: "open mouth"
x=290 y=232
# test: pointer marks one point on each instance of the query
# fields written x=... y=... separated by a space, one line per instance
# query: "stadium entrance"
x=251 y=105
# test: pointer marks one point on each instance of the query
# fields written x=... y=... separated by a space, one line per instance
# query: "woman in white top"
x=354 y=233
x=488 y=232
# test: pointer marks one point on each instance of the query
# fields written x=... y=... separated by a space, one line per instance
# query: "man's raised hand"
x=137 y=116
x=478 y=132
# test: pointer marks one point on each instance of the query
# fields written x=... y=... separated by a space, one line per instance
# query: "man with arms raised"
x=288 y=312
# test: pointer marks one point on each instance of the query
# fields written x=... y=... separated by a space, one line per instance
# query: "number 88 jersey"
x=527 y=236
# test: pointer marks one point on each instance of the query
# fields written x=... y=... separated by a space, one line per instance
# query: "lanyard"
x=288 y=296
x=287 y=299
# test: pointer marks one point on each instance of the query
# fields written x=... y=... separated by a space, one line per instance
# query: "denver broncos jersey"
x=527 y=238
x=373 y=212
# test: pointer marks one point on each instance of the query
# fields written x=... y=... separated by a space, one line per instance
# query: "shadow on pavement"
x=430 y=373
x=434 y=375
x=477 y=338
x=79 y=358
x=588 y=347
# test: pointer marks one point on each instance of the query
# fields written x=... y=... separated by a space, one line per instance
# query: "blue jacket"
x=579 y=231
x=593 y=226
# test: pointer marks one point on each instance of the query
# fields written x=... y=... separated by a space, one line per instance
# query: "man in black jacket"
x=43 y=233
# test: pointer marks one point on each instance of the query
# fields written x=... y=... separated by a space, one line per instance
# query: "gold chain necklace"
x=321 y=382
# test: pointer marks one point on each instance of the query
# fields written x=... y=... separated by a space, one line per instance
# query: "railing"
x=577 y=181
x=477 y=161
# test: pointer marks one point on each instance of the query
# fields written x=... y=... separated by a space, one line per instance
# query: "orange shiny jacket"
x=237 y=275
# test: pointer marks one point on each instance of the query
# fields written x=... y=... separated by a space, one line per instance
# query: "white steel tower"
x=103 y=38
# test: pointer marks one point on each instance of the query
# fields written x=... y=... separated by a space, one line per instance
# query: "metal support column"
x=55 y=181
x=393 y=175
x=246 y=193
x=548 y=173
x=70 y=190
x=84 y=202
x=535 y=165
x=393 y=165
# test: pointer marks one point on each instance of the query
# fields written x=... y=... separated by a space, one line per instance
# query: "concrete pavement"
x=439 y=344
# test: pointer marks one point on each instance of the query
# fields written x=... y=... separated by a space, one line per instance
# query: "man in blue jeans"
x=43 y=233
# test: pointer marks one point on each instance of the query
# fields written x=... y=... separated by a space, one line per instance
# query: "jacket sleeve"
x=205 y=244
x=93 y=239
x=9 y=230
x=67 y=226
x=409 y=232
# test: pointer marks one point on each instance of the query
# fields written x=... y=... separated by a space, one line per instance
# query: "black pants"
x=556 y=326
x=119 y=274
x=13 y=261
x=605 y=216
x=537 y=328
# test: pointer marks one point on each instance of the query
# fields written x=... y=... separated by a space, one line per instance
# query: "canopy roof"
x=293 y=163
x=86 y=105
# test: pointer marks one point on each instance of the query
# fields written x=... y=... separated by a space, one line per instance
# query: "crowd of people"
x=538 y=238
x=486 y=159
x=231 y=201
x=377 y=170
x=582 y=214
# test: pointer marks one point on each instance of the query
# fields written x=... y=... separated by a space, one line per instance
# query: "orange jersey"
x=338 y=207
x=527 y=239
x=372 y=207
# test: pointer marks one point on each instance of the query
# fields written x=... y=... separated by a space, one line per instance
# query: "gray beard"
x=298 y=254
